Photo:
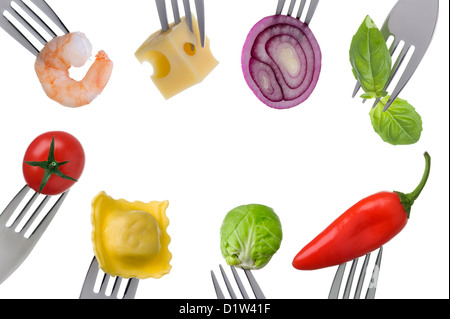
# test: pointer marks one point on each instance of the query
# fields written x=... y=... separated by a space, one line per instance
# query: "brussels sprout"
x=250 y=235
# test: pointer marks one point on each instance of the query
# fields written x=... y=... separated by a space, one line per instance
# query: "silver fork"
x=15 y=246
x=370 y=294
x=88 y=292
x=200 y=9
x=312 y=8
x=251 y=279
x=412 y=22
x=27 y=17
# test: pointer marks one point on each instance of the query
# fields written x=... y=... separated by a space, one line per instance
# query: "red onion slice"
x=281 y=61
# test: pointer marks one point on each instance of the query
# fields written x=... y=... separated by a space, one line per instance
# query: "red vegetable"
x=281 y=61
x=53 y=162
x=363 y=228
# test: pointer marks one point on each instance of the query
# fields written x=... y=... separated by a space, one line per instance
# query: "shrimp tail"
x=97 y=76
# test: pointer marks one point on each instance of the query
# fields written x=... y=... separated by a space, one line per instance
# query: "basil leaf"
x=400 y=124
x=370 y=59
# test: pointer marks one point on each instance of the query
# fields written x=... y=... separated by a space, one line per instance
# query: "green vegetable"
x=398 y=125
x=370 y=59
x=371 y=65
x=250 y=235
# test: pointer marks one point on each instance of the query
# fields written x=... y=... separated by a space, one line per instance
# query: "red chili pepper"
x=363 y=228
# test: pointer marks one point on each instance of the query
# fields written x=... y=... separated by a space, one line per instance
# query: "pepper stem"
x=407 y=200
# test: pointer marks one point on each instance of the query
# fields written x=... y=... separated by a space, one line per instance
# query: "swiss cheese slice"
x=178 y=59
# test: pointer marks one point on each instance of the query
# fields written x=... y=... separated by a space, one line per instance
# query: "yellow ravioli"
x=130 y=238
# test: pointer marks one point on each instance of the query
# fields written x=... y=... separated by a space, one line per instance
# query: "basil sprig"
x=370 y=59
x=371 y=65
x=400 y=124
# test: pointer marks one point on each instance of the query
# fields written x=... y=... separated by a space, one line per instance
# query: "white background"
x=215 y=147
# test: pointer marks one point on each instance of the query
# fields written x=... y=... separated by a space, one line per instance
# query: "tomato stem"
x=50 y=167
x=407 y=200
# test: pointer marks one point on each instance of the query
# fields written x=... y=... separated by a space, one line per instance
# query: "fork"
x=200 y=9
x=336 y=285
x=26 y=16
x=15 y=245
x=88 y=291
x=312 y=8
x=251 y=279
x=412 y=22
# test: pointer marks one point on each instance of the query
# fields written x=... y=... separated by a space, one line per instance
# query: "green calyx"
x=51 y=166
x=407 y=200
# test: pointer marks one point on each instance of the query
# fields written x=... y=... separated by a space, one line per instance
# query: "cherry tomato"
x=53 y=162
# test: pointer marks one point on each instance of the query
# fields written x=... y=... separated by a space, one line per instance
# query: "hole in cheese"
x=160 y=63
x=189 y=48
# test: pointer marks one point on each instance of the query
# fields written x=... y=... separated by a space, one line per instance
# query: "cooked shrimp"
x=52 y=68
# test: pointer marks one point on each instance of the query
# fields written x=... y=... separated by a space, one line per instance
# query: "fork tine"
x=377 y=100
x=356 y=89
x=116 y=287
x=131 y=288
x=187 y=12
x=188 y=15
x=406 y=76
x=348 y=285
x=394 y=70
x=91 y=276
x=48 y=11
x=176 y=11
x=200 y=9
x=35 y=214
x=336 y=285
x=300 y=9
x=12 y=206
x=104 y=284
x=374 y=279
x=251 y=279
x=227 y=283
x=216 y=285
x=394 y=46
x=362 y=276
x=291 y=7
x=27 y=26
x=239 y=283
x=162 y=12
x=312 y=8
x=20 y=37
x=280 y=6
x=254 y=284
x=36 y=18
x=48 y=217
x=24 y=210
x=87 y=291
